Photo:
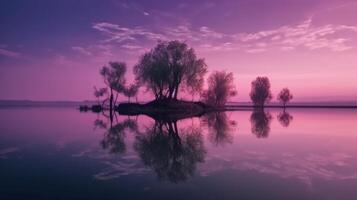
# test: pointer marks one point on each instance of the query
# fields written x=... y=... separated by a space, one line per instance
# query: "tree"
x=131 y=91
x=99 y=93
x=220 y=88
x=285 y=96
x=114 y=78
x=169 y=67
x=260 y=93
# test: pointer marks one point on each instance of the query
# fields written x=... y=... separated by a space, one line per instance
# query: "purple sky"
x=53 y=50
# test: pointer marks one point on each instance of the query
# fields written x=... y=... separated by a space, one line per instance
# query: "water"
x=59 y=153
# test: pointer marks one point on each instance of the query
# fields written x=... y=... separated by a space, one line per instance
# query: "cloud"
x=258 y=50
x=82 y=50
x=284 y=38
x=119 y=34
x=303 y=35
x=8 y=53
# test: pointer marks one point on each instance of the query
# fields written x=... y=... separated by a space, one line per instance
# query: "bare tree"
x=220 y=88
x=285 y=96
x=169 y=67
x=260 y=93
x=114 y=78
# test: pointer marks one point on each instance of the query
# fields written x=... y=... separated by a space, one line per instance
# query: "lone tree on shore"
x=114 y=78
x=220 y=88
x=285 y=96
x=260 y=93
x=131 y=91
x=170 y=67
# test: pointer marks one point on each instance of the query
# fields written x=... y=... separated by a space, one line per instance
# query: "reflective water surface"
x=59 y=153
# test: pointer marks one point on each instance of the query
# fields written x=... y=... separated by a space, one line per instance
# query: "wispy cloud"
x=81 y=50
x=303 y=35
x=285 y=38
x=8 y=53
x=117 y=33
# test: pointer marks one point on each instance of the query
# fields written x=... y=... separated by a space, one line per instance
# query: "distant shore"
x=230 y=105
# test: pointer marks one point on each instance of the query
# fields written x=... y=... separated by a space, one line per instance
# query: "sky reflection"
x=316 y=149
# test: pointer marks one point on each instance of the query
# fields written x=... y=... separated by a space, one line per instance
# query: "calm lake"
x=60 y=153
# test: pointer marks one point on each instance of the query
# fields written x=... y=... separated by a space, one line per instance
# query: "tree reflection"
x=285 y=118
x=220 y=127
x=171 y=155
x=113 y=139
x=260 y=121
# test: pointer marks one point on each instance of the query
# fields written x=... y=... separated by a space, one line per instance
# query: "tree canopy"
x=220 y=88
x=114 y=75
x=170 y=67
x=260 y=93
x=285 y=96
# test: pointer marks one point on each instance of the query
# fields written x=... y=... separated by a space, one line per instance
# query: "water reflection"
x=173 y=151
x=69 y=154
x=172 y=155
x=220 y=127
x=113 y=139
x=285 y=118
x=260 y=121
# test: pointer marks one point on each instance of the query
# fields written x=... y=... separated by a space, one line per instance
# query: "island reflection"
x=172 y=148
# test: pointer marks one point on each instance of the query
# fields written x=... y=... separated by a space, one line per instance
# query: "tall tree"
x=260 y=93
x=114 y=78
x=169 y=67
x=285 y=96
x=220 y=88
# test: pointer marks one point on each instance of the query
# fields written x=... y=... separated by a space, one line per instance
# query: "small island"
x=170 y=68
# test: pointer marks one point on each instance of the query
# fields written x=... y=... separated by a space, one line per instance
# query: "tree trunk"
x=111 y=104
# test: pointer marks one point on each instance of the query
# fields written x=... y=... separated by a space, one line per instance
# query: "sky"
x=53 y=50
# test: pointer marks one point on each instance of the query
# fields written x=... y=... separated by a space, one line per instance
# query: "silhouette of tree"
x=260 y=121
x=99 y=93
x=260 y=93
x=285 y=118
x=285 y=96
x=172 y=156
x=220 y=88
x=220 y=127
x=114 y=78
x=131 y=91
x=169 y=67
